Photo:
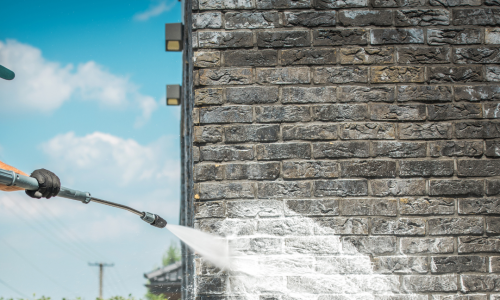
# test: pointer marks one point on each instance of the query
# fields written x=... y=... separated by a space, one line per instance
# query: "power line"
x=13 y=289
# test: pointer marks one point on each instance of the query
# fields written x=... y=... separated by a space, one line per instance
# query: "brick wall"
x=373 y=120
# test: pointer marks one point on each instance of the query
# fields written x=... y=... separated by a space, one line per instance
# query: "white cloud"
x=43 y=86
x=156 y=10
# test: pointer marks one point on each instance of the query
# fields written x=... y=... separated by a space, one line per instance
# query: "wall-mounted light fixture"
x=173 y=37
x=174 y=94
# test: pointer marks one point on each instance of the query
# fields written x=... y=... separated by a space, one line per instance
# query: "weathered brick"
x=419 y=55
x=283 y=189
x=251 y=20
x=426 y=245
x=326 y=207
x=455 y=74
x=308 y=57
x=342 y=265
x=491 y=110
x=492 y=74
x=494 y=264
x=206 y=59
x=312 y=245
x=328 y=4
x=477 y=129
x=397 y=36
x=400 y=265
x=340 y=74
x=256 y=245
x=252 y=95
x=196 y=154
x=284 y=227
x=288 y=113
x=340 y=112
x=482 y=55
x=492 y=2
x=308 y=95
x=478 y=168
x=286 y=75
x=478 y=244
x=367 y=55
x=262 y=58
x=295 y=38
x=226 y=114
x=455 y=111
x=366 y=94
x=477 y=93
x=211 y=284
x=335 y=226
x=368 y=169
x=226 y=76
x=310 y=169
x=276 y=4
x=458 y=264
x=225 y=4
x=283 y=151
x=207 y=134
x=493 y=225
x=310 y=18
x=492 y=187
x=397 y=3
x=455 y=3
x=430 y=283
x=340 y=37
x=226 y=153
x=401 y=226
x=310 y=132
x=253 y=208
x=427 y=206
x=341 y=150
x=252 y=171
x=210 y=96
x=422 y=17
x=233 y=190
x=476 y=16
x=372 y=131
x=340 y=188
x=454 y=36
x=225 y=39
x=492 y=148
x=399 y=149
x=210 y=209
x=479 y=206
x=397 y=74
x=462 y=226
x=207 y=20
x=426 y=168
x=463 y=187
x=365 y=18
x=492 y=36
x=456 y=148
x=480 y=283
x=369 y=244
x=385 y=112
x=228 y=227
x=368 y=207
x=397 y=187
x=425 y=131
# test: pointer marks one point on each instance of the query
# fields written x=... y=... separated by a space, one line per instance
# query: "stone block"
x=420 y=55
x=456 y=148
x=368 y=131
x=340 y=74
x=458 y=264
x=421 y=131
x=494 y=266
x=426 y=168
x=482 y=55
x=337 y=226
x=454 y=36
x=287 y=75
x=478 y=168
x=252 y=95
x=479 y=206
x=226 y=114
x=210 y=96
x=399 y=149
x=461 y=187
x=308 y=57
x=329 y=4
x=343 y=265
x=340 y=188
x=396 y=74
x=312 y=245
x=451 y=3
x=427 y=206
x=251 y=20
x=478 y=244
x=492 y=187
x=196 y=154
x=422 y=17
x=225 y=4
x=398 y=3
x=209 y=209
x=253 y=208
x=206 y=59
x=390 y=112
x=310 y=169
x=233 y=190
x=492 y=225
x=310 y=132
x=492 y=148
x=477 y=130
x=299 y=95
x=491 y=110
x=226 y=76
x=226 y=153
x=367 y=94
x=211 y=284
x=397 y=187
x=368 y=169
x=368 y=207
x=492 y=36
x=310 y=18
x=207 y=134
x=225 y=39
x=492 y=74
x=492 y=2
x=340 y=112
x=400 y=265
x=206 y=172
x=252 y=171
x=251 y=246
x=366 y=55
x=480 y=283
x=243 y=58
x=430 y=283
x=285 y=189
x=426 y=245
x=397 y=227
x=277 y=4
x=462 y=226
x=369 y=244
x=340 y=37
x=280 y=114
x=277 y=151
x=341 y=150
x=357 y=18
x=284 y=227
x=278 y=39
x=455 y=74
x=326 y=207
x=207 y=20
x=476 y=16
x=397 y=36
x=456 y=111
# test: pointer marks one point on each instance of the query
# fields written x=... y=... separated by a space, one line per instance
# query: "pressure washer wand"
x=11 y=178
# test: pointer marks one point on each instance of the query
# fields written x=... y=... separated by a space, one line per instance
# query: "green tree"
x=173 y=254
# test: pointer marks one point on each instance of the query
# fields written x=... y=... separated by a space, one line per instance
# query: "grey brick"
x=479 y=206
x=397 y=3
x=425 y=131
x=276 y=4
x=458 y=264
x=492 y=187
x=492 y=225
x=284 y=227
x=288 y=113
x=361 y=131
x=400 y=265
x=492 y=35
x=430 y=283
x=261 y=58
x=369 y=245
x=341 y=150
x=422 y=17
x=342 y=265
x=462 y=187
x=226 y=153
x=454 y=36
x=476 y=16
x=478 y=244
x=365 y=18
x=211 y=284
x=477 y=129
x=397 y=36
x=491 y=110
x=478 y=168
x=400 y=149
x=283 y=151
x=226 y=114
x=256 y=245
x=209 y=209
x=310 y=169
x=207 y=134
x=312 y=245
x=225 y=4
x=293 y=38
x=207 y=20
x=396 y=74
x=328 y=4
x=492 y=73
x=456 y=148
x=212 y=191
x=482 y=55
x=455 y=3
x=326 y=207
x=204 y=172
x=340 y=74
x=308 y=57
x=454 y=111
x=366 y=94
x=494 y=264
x=366 y=55
x=480 y=283
x=426 y=168
x=252 y=171
x=427 y=206
x=253 y=208
x=398 y=187
x=336 y=226
x=340 y=37
x=491 y=2
x=208 y=96
x=368 y=207
x=225 y=39
x=310 y=18
x=340 y=112
x=288 y=75
x=420 y=55
x=228 y=227
x=340 y=188
x=310 y=132
x=206 y=59
x=492 y=148
x=368 y=169
x=385 y=112
x=252 y=95
x=226 y=76
x=398 y=227
x=251 y=20
x=308 y=95
x=284 y=190
x=426 y=245
x=462 y=226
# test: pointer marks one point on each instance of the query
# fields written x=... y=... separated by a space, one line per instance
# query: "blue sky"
x=88 y=102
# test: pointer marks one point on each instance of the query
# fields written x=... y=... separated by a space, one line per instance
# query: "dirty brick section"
x=374 y=118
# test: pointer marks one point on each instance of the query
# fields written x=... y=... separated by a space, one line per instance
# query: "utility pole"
x=101 y=274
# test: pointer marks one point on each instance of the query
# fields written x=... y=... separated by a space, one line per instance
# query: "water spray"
x=10 y=178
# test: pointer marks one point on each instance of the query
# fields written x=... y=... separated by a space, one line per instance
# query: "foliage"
x=150 y=296
x=172 y=255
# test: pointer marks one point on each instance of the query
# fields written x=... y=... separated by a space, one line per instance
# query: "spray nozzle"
x=154 y=220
